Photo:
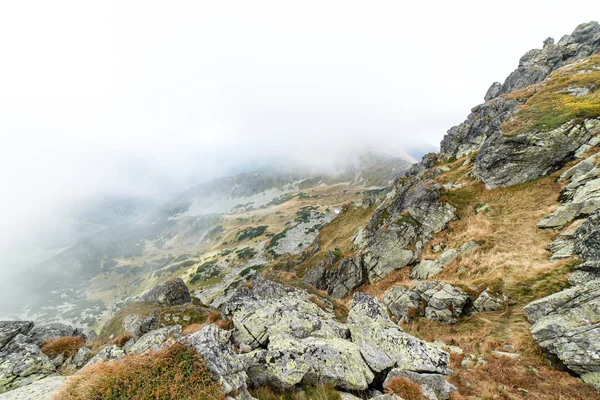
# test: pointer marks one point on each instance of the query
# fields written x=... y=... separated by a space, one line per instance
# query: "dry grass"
x=214 y=316
x=67 y=346
x=192 y=329
x=318 y=302
x=177 y=373
x=121 y=340
x=405 y=388
x=225 y=324
x=114 y=326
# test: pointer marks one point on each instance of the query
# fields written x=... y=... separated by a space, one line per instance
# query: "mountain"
x=474 y=275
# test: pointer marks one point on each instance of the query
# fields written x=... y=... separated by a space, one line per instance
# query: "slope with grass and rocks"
x=475 y=275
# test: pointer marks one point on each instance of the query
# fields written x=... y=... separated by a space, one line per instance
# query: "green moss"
x=251 y=232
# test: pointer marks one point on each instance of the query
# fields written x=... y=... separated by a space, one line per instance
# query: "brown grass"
x=114 y=326
x=319 y=391
x=214 y=316
x=318 y=302
x=121 y=340
x=175 y=373
x=67 y=346
x=226 y=324
x=405 y=388
x=192 y=329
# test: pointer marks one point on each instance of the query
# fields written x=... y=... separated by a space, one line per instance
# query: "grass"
x=548 y=105
x=67 y=346
x=177 y=373
x=405 y=388
x=317 y=392
x=121 y=340
x=114 y=326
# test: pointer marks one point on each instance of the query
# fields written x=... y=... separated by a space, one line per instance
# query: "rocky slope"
x=474 y=276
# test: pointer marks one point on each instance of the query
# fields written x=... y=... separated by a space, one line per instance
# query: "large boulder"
x=289 y=361
x=171 y=293
x=112 y=352
x=136 y=325
x=39 y=334
x=10 y=329
x=155 y=340
x=44 y=389
x=213 y=345
x=383 y=343
x=338 y=277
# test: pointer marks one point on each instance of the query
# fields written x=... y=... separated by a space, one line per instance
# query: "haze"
x=143 y=98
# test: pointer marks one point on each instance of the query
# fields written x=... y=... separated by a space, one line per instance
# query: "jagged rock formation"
x=337 y=275
x=170 y=293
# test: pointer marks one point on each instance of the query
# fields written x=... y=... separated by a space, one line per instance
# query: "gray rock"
x=213 y=345
x=21 y=363
x=41 y=333
x=156 y=340
x=136 y=325
x=488 y=301
x=10 y=329
x=108 y=353
x=81 y=358
x=493 y=91
x=170 y=293
x=337 y=278
x=428 y=268
x=384 y=345
x=435 y=383
x=44 y=389
x=469 y=247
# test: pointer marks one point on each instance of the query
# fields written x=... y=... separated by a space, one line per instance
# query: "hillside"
x=474 y=275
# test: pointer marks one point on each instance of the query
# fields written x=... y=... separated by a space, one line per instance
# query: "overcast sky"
x=130 y=97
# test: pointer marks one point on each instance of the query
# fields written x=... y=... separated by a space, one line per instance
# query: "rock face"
x=10 y=329
x=170 y=293
x=21 y=363
x=508 y=160
x=136 y=325
x=44 y=389
x=383 y=343
x=566 y=324
x=41 y=333
x=337 y=276
x=155 y=340
x=436 y=301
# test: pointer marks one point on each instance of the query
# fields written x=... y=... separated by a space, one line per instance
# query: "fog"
x=145 y=98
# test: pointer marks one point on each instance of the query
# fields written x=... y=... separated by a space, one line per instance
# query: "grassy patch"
x=67 y=346
x=114 y=326
x=175 y=373
x=549 y=105
x=317 y=392
x=405 y=388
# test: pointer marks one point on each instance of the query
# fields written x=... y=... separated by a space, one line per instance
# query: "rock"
x=22 y=362
x=136 y=325
x=44 y=389
x=508 y=160
x=514 y=356
x=155 y=340
x=82 y=356
x=436 y=301
x=435 y=383
x=289 y=361
x=297 y=238
x=585 y=200
x=108 y=353
x=171 y=293
x=213 y=345
x=384 y=345
x=469 y=247
x=39 y=334
x=337 y=278
x=566 y=325
x=10 y=329
x=487 y=302
x=493 y=91
x=272 y=309
x=428 y=268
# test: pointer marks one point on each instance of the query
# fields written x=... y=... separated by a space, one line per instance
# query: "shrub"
x=177 y=372
x=67 y=346
x=405 y=388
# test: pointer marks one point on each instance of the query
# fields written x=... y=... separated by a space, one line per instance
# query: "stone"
x=82 y=356
x=213 y=345
x=156 y=340
x=39 y=334
x=384 y=345
x=435 y=383
x=10 y=329
x=136 y=325
x=469 y=247
x=289 y=361
x=171 y=293
x=22 y=362
x=337 y=278
x=44 y=389
x=487 y=301
x=108 y=353
x=428 y=268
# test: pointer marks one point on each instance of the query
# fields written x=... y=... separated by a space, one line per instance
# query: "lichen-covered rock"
x=10 y=329
x=155 y=340
x=436 y=301
x=82 y=356
x=213 y=345
x=428 y=268
x=507 y=160
x=44 y=389
x=585 y=200
x=171 y=293
x=435 y=383
x=488 y=301
x=22 y=362
x=384 y=345
x=289 y=361
x=41 y=333
x=136 y=325
x=108 y=353
x=337 y=278
x=567 y=323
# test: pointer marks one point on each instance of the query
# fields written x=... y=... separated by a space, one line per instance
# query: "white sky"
x=104 y=97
